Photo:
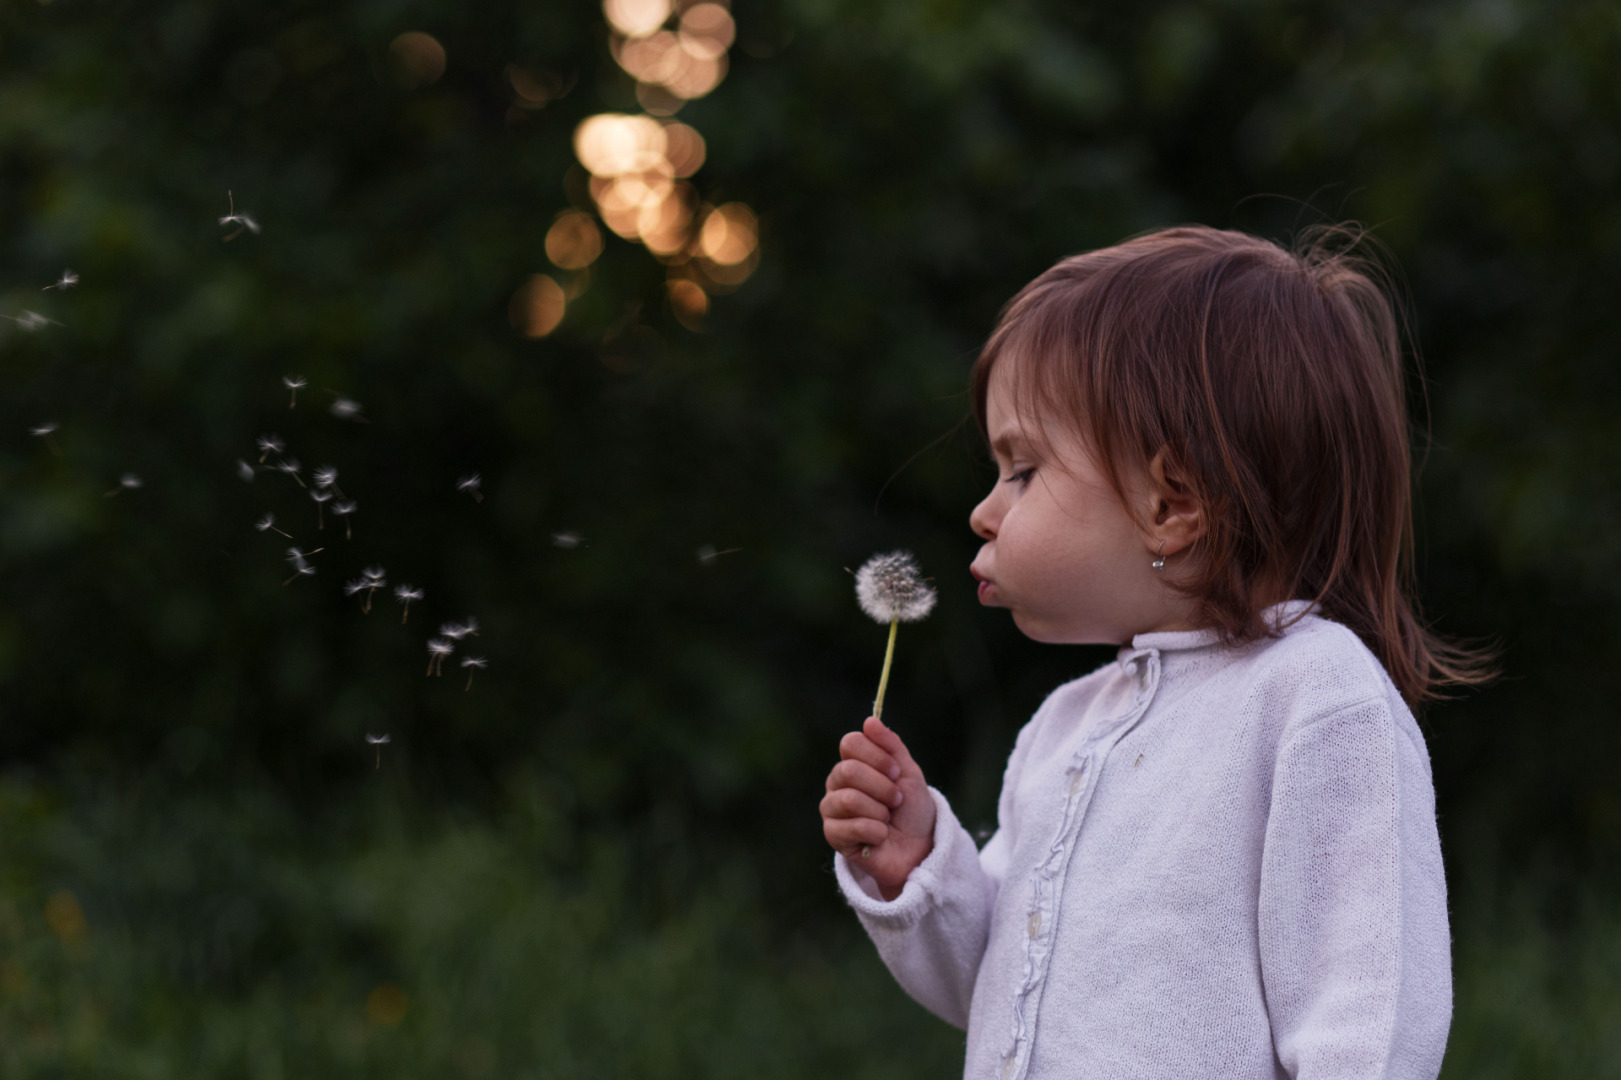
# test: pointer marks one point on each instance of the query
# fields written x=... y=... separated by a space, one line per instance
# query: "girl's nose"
x=983 y=520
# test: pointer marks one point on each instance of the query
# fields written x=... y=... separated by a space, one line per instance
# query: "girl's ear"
x=1175 y=515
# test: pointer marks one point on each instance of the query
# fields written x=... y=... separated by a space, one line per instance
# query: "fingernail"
x=894 y=772
x=900 y=797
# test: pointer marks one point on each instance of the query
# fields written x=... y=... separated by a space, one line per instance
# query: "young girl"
x=1216 y=857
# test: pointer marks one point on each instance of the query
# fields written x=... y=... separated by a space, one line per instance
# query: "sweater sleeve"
x=1354 y=945
x=932 y=936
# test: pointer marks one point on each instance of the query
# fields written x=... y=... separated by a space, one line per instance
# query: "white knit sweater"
x=1212 y=863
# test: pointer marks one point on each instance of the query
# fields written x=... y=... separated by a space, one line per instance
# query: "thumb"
x=891 y=743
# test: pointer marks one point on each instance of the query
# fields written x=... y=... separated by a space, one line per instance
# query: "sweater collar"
x=1280 y=617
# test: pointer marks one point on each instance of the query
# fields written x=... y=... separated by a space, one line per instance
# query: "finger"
x=850 y=803
x=863 y=777
x=888 y=741
x=858 y=747
x=844 y=834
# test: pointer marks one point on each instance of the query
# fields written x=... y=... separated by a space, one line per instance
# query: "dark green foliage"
x=605 y=858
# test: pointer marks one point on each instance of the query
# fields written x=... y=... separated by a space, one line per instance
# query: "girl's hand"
x=877 y=809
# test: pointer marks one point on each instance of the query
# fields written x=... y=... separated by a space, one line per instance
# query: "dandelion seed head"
x=440 y=647
x=66 y=281
x=405 y=594
x=469 y=483
x=289 y=466
x=320 y=496
x=475 y=662
x=344 y=506
x=266 y=523
x=346 y=409
x=377 y=740
x=890 y=587
x=244 y=471
x=32 y=320
x=130 y=480
x=325 y=476
x=453 y=631
x=296 y=556
x=271 y=444
x=374 y=575
x=352 y=587
x=42 y=430
x=567 y=540
x=294 y=382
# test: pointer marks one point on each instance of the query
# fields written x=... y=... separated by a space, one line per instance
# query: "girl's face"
x=1061 y=552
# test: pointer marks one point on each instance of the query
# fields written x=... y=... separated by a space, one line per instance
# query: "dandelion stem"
x=883 y=680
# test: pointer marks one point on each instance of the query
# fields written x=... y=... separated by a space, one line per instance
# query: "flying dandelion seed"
x=244 y=471
x=294 y=383
x=268 y=524
x=298 y=572
x=568 y=541
x=46 y=431
x=470 y=485
x=375 y=578
x=291 y=467
x=31 y=321
x=473 y=663
x=327 y=477
x=891 y=589
x=343 y=508
x=243 y=222
x=66 y=281
x=453 y=631
x=378 y=741
x=471 y=626
x=347 y=409
x=298 y=556
x=438 y=649
x=707 y=554
x=405 y=594
x=128 y=482
x=321 y=497
x=269 y=444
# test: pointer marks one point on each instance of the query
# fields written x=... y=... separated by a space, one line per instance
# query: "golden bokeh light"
x=730 y=234
x=707 y=31
x=533 y=90
x=689 y=302
x=612 y=144
x=636 y=18
x=574 y=241
x=418 y=59
x=665 y=226
x=684 y=149
x=537 y=306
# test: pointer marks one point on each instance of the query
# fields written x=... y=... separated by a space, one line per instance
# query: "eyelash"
x=1021 y=477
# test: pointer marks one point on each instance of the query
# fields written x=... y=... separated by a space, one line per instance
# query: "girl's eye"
x=1022 y=477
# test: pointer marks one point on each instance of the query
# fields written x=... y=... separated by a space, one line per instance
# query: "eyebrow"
x=1007 y=442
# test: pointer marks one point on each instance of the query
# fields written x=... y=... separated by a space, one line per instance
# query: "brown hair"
x=1272 y=382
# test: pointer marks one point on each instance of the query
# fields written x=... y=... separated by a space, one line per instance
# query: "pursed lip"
x=986 y=585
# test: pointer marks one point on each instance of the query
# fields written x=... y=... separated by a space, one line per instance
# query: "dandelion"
x=31 y=321
x=405 y=594
x=379 y=741
x=707 y=554
x=327 y=477
x=891 y=589
x=375 y=578
x=66 y=281
x=298 y=556
x=347 y=409
x=471 y=626
x=438 y=649
x=291 y=467
x=269 y=444
x=454 y=631
x=343 y=508
x=45 y=431
x=244 y=471
x=241 y=221
x=568 y=541
x=470 y=485
x=128 y=482
x=268 y=524
x=472 y=663
x=294 y=383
